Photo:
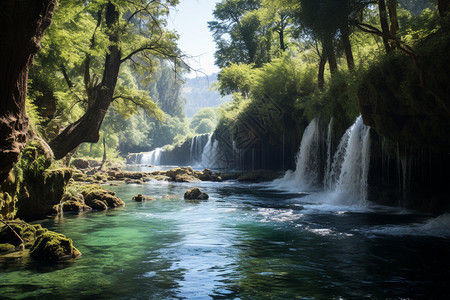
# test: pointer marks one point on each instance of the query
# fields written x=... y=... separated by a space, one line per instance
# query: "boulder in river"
x=195 y=194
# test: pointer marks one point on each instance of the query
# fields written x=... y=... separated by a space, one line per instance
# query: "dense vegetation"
x=287 y=62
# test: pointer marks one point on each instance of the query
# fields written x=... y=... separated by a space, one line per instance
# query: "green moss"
x=5 y=248
x=34 y=158
x=53 y=246
x=26 y=231
x=9 y=192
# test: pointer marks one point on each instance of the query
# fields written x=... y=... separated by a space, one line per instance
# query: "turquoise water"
x=248 y=241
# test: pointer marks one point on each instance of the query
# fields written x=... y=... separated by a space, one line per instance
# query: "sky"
x=190 y=19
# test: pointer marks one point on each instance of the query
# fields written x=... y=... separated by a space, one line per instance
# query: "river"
x=248 y=241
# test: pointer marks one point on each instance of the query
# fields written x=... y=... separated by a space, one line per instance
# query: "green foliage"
x=271 y=106
x=204 y=121
x=236 y=78
x=71 y=64
x=339 y=100
x=236 y=32
x=205 y=126
x=34 y=159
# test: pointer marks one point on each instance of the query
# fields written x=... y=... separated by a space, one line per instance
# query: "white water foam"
x=152 y=157
x=436 y=227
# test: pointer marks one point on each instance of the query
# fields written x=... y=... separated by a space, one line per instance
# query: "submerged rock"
x=140 y=198
x=195 y=194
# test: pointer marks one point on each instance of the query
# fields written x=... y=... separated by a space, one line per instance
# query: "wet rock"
x=141 y=198
x=94 y=195
x=96 y=204
x=195 y=194
x=75 y=206
x=112 y=201
x=259 y=176
x=53 y=246
x=133 y=181
x=208 y=175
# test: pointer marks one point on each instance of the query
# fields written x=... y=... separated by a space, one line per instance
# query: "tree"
x=125 y=33
x=235 y=32
x=204 y=121
x=23 y=24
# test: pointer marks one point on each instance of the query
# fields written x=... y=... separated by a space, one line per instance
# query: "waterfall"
x=307 y=171
x=327 y=174
x=332 y=176
x=152 y=157
x=352 y=182
x=198 y=143
x=209 y=153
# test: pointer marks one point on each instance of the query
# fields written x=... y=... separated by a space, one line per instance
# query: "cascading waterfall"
x=332 y=176
x=326 y=180
x=307 y=171
x=352 y=183
x=346 y=172
x=152 y=157
x=198 y=143
x=210 y=152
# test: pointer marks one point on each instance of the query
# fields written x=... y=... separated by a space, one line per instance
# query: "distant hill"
x=199 y=93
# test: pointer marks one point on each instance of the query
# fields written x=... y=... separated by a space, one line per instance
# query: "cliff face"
x=409 y=108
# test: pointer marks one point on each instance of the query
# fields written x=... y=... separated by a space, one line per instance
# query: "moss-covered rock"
x=9 y=233
x=96 y=204
x=94 y=195
x=195 y=194
x=53 y=246
x=6 y=248
x=42 y=192
x=9 y=193
x=74 y=206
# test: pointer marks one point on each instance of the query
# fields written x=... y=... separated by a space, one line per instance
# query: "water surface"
x=248 y=241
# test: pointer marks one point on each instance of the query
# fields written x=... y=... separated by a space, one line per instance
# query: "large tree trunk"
x=321 y=73
x=328 y=52
x=444 y=7
x=22 y=25
x=347 y=47
x=384 y=24
x=392 y=7
x=281 y=36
